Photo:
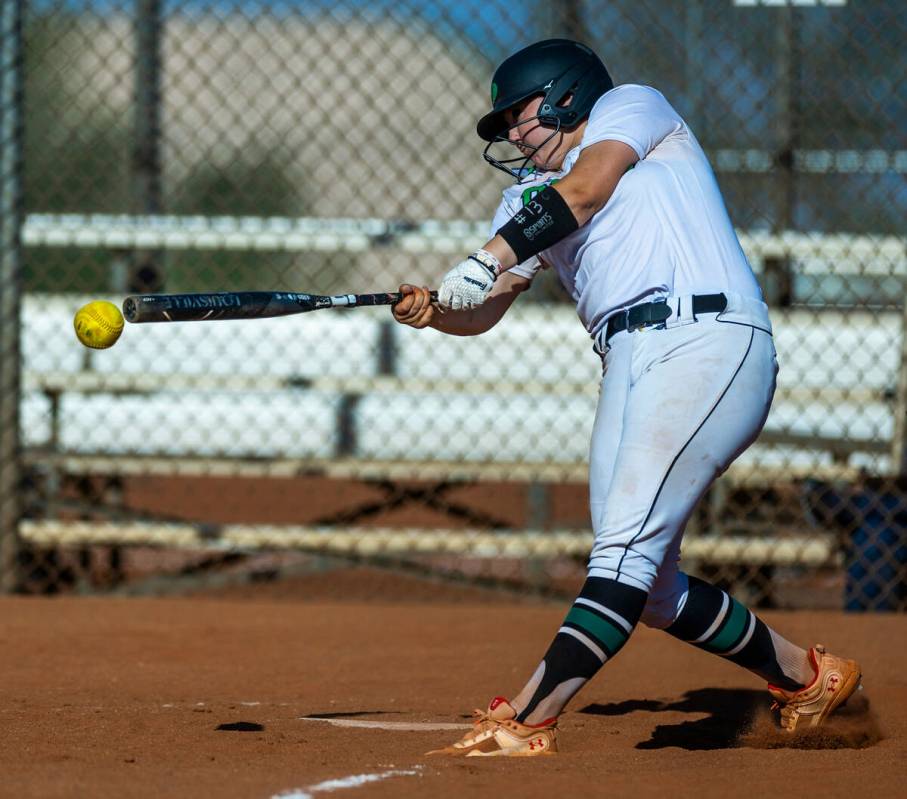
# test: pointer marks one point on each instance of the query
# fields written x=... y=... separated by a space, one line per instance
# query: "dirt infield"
x=201 y=697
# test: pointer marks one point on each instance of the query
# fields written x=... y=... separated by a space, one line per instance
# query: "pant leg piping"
x=683 y=448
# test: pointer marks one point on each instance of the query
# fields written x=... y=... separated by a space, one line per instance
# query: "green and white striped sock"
x=598 y=625
x=716 y=622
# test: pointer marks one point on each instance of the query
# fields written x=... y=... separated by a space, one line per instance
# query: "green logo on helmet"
x=494 y=92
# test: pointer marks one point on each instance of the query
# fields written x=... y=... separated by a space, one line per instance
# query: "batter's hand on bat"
x=415 y=309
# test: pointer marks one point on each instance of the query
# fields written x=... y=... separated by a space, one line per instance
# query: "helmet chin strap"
x=518 y=173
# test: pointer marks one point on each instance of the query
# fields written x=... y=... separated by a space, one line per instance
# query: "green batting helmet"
x=555 y=69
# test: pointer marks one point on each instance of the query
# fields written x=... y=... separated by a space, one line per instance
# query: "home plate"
x=415 y=726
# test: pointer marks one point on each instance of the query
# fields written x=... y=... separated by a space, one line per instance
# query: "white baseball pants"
x=678 y=404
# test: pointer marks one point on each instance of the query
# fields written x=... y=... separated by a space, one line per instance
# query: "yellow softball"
x=98 y=324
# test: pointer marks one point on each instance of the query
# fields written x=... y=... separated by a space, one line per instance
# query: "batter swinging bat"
x=241 y=305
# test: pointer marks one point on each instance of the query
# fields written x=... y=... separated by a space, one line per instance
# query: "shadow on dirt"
x=353 y=714
x=728 y=711
x=240 y=726
x=737 y=718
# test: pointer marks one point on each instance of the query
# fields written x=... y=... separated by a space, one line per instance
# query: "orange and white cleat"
x=836 y=679
x=495 y=734
x=512 y=739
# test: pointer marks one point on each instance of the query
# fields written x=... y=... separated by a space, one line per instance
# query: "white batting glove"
x=469 y=282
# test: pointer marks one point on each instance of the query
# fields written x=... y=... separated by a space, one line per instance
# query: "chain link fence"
x=330 y=147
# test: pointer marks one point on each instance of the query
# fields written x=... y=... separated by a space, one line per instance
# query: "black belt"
x=654 y=313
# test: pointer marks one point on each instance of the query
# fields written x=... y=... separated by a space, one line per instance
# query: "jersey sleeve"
x=638 y=116
x=531 y=266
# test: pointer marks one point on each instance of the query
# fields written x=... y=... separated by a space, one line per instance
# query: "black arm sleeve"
x=541 y=223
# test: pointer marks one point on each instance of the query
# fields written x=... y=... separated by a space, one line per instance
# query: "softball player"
x=615 y=194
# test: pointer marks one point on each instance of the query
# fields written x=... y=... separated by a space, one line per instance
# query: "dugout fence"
x=330 y=148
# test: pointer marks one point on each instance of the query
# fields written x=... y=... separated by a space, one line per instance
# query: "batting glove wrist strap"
x=540 y=224
x=489 y=261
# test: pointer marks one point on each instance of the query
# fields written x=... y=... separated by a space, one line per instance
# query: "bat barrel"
x=143 y=308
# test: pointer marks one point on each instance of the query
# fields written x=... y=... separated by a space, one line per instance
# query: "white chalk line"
x=415 y=726
x=353 y=781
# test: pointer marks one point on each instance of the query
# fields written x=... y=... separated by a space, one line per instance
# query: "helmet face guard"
x=567 y=75
x=503 y=164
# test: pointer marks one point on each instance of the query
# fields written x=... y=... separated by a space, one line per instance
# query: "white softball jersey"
x=664 y=232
